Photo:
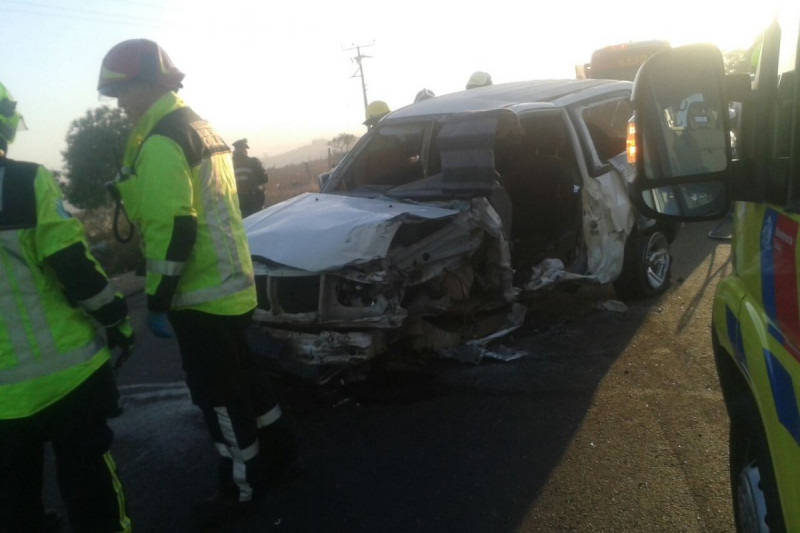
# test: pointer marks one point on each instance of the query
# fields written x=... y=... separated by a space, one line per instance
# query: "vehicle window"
x=778 y=170
x=392 y=156
x=538 y=169
x=606 y=123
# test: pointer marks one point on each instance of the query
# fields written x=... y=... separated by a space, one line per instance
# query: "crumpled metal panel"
x=608 y=219
x=385 y=313
x=324 y=232
x=331 y=347
x=475 y=350
x=352 y=333
x=317 y=356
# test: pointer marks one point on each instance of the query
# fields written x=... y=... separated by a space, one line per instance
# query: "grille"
x=294 y=294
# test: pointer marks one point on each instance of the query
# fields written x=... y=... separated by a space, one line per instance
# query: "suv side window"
x=606 y=125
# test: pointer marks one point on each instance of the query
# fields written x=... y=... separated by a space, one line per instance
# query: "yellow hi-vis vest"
x=178 y=188
x=47 y=346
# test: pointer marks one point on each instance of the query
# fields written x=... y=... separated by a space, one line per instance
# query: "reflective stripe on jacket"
x=180 y=191
x=48 y=346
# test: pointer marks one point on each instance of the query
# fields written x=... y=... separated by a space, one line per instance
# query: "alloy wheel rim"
x=657 y=259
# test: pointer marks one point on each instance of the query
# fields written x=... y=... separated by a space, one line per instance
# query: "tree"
x=737 y=61
x=342 y=143
x=95 y=144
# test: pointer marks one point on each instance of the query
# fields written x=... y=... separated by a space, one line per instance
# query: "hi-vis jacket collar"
x=164 y=105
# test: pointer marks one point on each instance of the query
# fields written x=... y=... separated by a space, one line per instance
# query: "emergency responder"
x=375 y=111
x=177 y=185
x=423 y=94
x=479 y=79
x=250 y=179
x=56 y=382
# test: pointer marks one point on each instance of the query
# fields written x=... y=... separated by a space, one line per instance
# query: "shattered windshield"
x=393 y=156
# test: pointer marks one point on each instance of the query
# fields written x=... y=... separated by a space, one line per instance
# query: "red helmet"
x=137 y=59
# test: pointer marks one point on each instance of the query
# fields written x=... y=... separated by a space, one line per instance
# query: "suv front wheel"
x=647 y=265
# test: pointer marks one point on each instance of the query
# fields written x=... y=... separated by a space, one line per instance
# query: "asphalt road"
x=612 y=422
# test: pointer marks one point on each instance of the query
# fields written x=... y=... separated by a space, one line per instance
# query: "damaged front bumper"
x=430 y=279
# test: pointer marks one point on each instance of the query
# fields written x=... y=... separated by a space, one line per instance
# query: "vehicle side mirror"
x=681 y=135
x=323 y=178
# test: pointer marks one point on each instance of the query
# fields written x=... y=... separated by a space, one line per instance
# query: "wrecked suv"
x=431 y=230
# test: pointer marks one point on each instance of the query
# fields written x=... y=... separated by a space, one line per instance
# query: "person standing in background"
x=250 y=179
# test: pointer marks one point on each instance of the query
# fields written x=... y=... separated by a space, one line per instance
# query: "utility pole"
x=360 y=71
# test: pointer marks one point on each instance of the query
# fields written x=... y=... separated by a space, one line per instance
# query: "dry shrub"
x=291 y=180
x=115 y=257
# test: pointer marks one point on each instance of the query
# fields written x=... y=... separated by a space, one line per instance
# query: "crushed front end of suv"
x=425 y=236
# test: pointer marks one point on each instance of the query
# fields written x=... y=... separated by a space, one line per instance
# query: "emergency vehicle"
x=619 y=61
x=680 y=139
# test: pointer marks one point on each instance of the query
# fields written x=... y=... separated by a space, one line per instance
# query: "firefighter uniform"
x=250 y=178
x=56 y=384
x=178 y=187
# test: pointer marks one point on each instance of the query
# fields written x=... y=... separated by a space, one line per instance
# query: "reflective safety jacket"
x=48 y=283
x=177 y=185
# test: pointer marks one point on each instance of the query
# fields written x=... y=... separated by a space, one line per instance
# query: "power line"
x=78 y=14
x=146 y=4
x=360 y=71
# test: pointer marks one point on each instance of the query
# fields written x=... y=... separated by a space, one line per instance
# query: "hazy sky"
x=280 y=72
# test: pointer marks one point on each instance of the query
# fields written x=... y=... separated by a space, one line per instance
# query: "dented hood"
x=322 y=232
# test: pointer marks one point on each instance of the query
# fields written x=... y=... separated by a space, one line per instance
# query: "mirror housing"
x=679 y=137
x=323 y=179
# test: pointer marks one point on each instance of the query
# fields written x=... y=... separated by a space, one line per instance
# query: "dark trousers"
x=252 y=202
x=238 y=402
x=76 y=427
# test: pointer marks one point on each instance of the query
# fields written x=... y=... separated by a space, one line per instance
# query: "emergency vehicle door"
x=679 y=138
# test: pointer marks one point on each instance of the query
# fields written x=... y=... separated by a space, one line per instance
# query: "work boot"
x=221 y=508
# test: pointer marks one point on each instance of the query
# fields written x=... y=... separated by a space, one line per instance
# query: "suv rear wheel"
x=647 y=265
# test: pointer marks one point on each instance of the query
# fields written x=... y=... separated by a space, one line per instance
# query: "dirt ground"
x=651 y=453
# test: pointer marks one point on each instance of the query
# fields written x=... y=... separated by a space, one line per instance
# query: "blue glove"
x=158 y=325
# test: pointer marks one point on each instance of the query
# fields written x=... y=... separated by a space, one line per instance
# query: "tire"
x=647 y=265
x=754 y=491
